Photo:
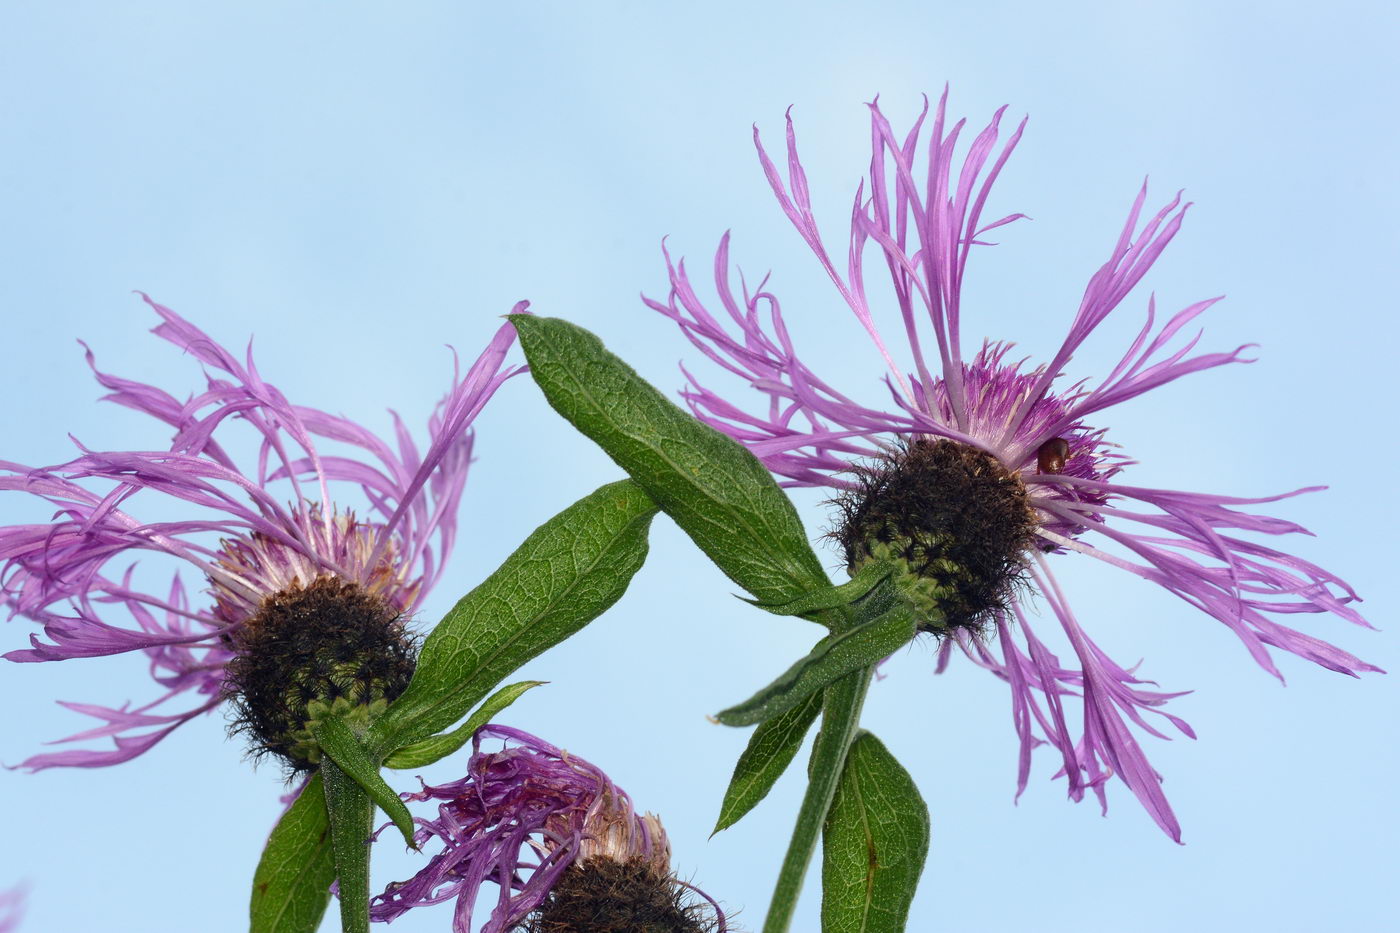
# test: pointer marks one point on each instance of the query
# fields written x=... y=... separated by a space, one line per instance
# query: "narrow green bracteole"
x=292 y=884
x=873 y=844
x=714 y=489
x=834 y=656
x=841 y=707
x=564 y=575
x=439 y=746
x=866 y=579
x=771 y=749
x=352 y=820
x=339 y=742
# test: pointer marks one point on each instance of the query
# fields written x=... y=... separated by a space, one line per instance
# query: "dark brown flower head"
x=327 y=648
x=951 y=518
x=278 y=502
x=607 y=896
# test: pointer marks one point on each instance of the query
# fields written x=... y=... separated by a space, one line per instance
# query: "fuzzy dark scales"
x=619 y=897
x=328 y=641
x=954 y=513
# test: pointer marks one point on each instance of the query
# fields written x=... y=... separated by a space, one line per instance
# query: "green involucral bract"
x=718 y=492
x=358 y=716
x=924 y=589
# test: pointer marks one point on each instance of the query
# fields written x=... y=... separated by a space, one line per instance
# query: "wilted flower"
x=985 y=467
x=561 y=841
x=301 y=605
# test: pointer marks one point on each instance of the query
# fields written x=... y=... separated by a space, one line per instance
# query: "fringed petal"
x=925 y=217
x=247 y=540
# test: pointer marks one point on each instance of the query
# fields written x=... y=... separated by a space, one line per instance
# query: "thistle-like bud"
x=329 y=648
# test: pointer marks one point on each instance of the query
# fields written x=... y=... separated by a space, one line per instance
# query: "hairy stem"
x=840 y=719
x=351 y=818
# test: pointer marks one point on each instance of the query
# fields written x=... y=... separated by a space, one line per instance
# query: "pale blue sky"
x=358 y=187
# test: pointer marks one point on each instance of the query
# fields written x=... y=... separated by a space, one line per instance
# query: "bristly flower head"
x=301 y=606
x=985 y=466
x=560 y=840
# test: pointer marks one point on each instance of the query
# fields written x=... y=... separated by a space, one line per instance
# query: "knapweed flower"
x=300 y=603
x=560 y=840
x=985 y=468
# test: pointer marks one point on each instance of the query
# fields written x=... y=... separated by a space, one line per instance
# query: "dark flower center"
x=952 y=519
x=606 y=896
x=325 y=649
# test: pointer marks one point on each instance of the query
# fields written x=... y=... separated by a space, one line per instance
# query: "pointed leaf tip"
x=716 y=490
x=339 y=742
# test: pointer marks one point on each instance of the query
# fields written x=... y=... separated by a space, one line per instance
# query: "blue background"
x=358 y=184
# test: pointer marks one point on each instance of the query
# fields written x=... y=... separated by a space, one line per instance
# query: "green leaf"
x=342 y=745
x=866 y=579
x=769 y=752
x=717 y=491
x=440 y=746
x=841 y=707
x=351 y=819
x=873 y=845
x=292 y=884
x=565 y=574
x=834 y=656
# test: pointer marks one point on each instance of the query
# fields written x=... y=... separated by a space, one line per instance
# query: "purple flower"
x=1000 y=424
x=535 y=810
x=254 y=532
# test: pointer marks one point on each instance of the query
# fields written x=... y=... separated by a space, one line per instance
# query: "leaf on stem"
x=718 y=492
x=874 y=843
x=769 y=752
x=870 y=575
x=834 y=656
x=292 y=884
x=564 y=575
x=340 y=743
x=440 y=746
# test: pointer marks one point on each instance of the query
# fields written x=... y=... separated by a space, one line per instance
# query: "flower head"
x=534 y=809
x=985 y=466
x=300 y=602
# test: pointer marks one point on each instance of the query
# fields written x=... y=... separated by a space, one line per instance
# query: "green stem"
x=840 y=720
x=352 y=817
